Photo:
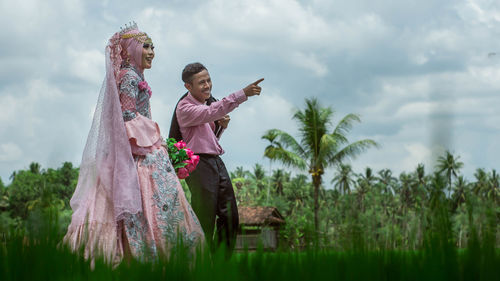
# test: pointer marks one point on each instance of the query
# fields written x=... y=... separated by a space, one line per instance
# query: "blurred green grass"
x=36 y=253
x=39 y=255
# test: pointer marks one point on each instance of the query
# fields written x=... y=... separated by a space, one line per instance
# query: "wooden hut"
x=259 y=225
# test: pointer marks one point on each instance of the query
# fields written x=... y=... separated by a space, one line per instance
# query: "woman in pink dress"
x=128 y=200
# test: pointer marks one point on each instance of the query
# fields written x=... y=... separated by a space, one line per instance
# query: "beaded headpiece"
x=139 y=36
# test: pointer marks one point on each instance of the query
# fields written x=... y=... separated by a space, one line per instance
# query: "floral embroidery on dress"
x=128 y=115
x=136 y=229
x=166 y=199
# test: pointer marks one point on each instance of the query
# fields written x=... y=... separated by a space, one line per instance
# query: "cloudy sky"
x=424 y=75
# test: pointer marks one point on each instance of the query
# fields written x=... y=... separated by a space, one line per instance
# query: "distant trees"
x=36 y=189
x=381 y=209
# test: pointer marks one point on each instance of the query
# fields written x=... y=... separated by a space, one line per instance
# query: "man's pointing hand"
x=253 y=89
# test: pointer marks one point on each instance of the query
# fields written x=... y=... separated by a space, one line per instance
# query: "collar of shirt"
x=193 y=99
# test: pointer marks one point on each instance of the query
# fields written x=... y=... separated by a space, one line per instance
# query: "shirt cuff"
x=240 y=96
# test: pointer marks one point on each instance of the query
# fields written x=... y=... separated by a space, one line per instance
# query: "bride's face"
x=148 y=54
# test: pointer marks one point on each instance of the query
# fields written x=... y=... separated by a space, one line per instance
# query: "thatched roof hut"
x=259 y=225
x=260 y=216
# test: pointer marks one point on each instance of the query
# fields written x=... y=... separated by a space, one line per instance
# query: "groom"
x=199 y=120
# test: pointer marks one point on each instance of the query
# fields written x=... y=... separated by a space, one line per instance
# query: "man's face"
x=200 y=86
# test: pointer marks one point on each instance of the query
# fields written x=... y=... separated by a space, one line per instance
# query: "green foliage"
x=25 y=187
x=374 y=209
x=37 y=189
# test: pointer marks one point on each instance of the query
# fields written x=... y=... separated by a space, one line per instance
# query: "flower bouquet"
x=183 y=159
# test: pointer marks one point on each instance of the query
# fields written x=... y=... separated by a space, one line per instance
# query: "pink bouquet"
x=183 y=159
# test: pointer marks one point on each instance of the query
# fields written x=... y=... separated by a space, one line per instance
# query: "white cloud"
x=21 y=112
x=87 y=65
x=416 y=110
x=485 y=12
x=420 y=59
x=417 y=153
x=311 y=63
x=444 y=39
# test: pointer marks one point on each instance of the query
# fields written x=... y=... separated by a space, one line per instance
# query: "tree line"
x=377 y=209
x=384 y=210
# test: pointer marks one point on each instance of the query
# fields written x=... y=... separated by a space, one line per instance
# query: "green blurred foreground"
x=37 y=254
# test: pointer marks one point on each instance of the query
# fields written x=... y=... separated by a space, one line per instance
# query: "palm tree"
x=258 y=175
x=13 y=176
x=258 y=172
x=35 y=168
x=450 y=165
x=279 y=178
x=481 y=182
x=239 y=173
x=365 y=184
x=420 y=174
x=494 y=185
x=459 y=192
x=317 y=149
x=272 y=138
x=387 y=180
x=420 y=185
x=299 y=190
x=368 y=177
x=405 y=193
x=343 y=178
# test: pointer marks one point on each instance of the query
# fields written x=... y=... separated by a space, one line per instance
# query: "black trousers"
x=213 y=200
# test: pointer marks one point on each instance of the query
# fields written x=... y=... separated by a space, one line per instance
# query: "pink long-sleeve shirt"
x=196 y=121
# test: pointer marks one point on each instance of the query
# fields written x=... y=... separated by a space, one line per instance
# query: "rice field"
x=39 y=255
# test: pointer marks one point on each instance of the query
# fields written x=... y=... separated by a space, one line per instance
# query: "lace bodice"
x=132 y=99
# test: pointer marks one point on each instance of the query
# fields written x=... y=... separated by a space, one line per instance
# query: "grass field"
x=40 y=256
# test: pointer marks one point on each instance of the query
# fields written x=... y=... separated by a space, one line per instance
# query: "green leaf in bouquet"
x=183 y=155
x=180 y=165
x=176 y=158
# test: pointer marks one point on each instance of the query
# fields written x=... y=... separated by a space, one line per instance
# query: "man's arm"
x=189 y=114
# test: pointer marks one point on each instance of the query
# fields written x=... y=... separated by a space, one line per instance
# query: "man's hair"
x=190 y=70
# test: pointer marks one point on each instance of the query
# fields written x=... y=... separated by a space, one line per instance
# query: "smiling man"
x=200 y=120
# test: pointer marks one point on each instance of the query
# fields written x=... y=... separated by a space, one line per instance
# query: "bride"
x=128 y=200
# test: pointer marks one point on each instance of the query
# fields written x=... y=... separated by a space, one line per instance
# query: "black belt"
x=204 y=155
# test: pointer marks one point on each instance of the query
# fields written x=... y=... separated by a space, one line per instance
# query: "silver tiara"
x=128 y=27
